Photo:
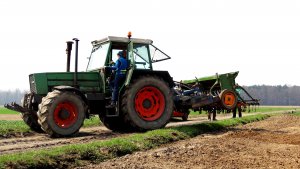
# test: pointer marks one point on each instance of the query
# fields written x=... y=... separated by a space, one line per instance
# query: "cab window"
x=98 y=57
x=141 y=56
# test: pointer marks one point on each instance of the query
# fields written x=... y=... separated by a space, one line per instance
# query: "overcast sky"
x=259 y=38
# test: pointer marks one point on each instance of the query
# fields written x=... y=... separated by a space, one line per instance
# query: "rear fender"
x=142 y=72
x=72 y=89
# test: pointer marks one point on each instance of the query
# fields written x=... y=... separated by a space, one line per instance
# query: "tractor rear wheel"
x=61 y=113
x=147 y=103
x=228 y=99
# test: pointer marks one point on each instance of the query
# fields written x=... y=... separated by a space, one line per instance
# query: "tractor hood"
x=42 y=83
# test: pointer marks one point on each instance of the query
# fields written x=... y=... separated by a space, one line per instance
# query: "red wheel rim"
x=229 y=99
x=149 y=103
x=65 y=114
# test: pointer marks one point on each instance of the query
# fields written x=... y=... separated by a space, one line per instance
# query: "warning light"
x=129 y=34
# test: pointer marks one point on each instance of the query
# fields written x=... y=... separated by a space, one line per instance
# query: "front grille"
x=32 y=84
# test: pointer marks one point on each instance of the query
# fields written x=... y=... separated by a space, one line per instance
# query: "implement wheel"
x=61 y=113
x=147 y=103
x=228 y=99
x=185 y=116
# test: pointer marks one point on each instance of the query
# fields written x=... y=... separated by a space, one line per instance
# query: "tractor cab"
x=140 y=54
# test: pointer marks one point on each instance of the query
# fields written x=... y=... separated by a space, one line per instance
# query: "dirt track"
x=42 y=141
x=39 y=141
x=272 y=143
x=10 y=117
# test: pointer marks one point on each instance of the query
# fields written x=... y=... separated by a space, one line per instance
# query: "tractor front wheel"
x=147 y=103
x=61 y=113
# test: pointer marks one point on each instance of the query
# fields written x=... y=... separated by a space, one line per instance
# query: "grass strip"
x=264 y=109
x=260 y=109
x=13 y=128
x=92 y=121
x=94 y=152
x=19 y=128
x=7 y=111
x=297 y=113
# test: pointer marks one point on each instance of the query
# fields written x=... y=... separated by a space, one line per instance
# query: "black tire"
x=31 y=120
x=114 y=123
x=61 y=113
x=240 y=111
x=138 y=105
x=185 y=116
x=234 y=113
x=228 y=99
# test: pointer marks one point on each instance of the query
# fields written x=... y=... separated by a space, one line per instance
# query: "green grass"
x=80 y=154
x=92 y=121
x=8 y=128
x=297 y=113
x=16 y=128
x=7 y=111
x=264 y=109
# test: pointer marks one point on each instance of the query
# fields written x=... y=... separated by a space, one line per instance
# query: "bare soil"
x=272 y=143
x=10 y=117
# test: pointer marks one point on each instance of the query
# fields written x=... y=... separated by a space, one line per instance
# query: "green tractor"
x=59 y=102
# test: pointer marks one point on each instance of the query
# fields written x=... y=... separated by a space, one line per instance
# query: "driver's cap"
x=120 y=53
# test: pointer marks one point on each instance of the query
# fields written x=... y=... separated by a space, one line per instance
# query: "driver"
x=120 y=74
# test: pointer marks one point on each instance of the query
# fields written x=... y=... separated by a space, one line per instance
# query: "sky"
x=258 y=38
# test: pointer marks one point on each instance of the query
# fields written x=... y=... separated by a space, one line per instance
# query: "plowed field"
x=272 y=143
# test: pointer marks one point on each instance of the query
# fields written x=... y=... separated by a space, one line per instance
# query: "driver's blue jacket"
x=120 y=66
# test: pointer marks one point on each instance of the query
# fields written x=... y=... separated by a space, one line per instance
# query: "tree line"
x=275 y=95
x=11 y=96
x=268 y=95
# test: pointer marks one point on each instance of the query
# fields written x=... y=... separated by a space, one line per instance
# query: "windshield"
x=98 y=57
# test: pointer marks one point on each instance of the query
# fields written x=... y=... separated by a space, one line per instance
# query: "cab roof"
x=121 y=39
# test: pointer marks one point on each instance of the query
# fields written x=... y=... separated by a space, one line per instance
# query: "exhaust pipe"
x=76 y=62
x=68 y=52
